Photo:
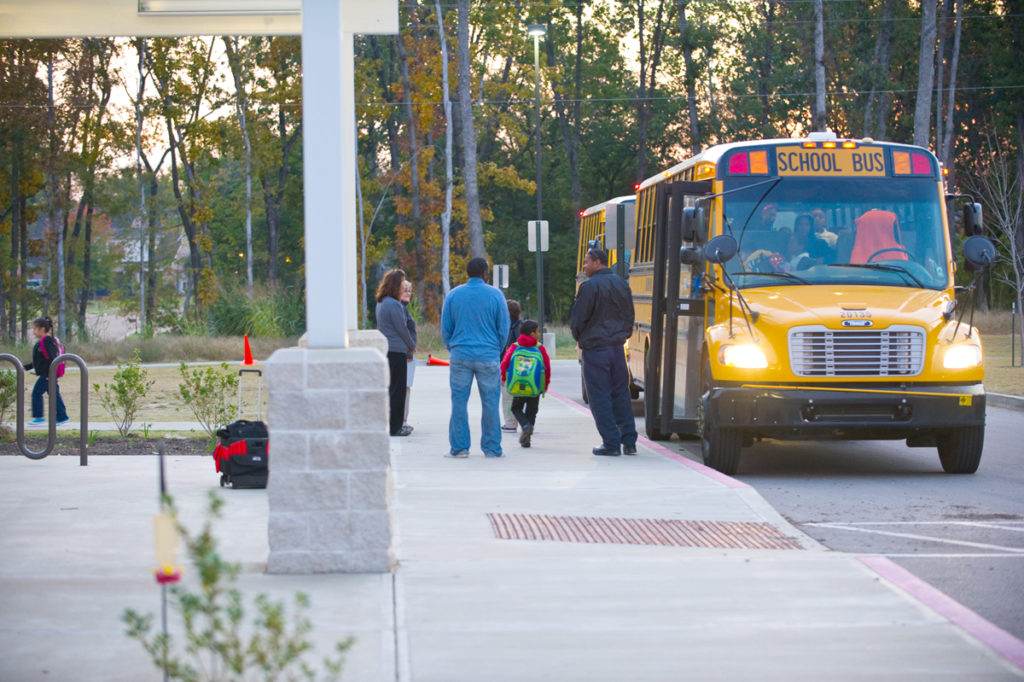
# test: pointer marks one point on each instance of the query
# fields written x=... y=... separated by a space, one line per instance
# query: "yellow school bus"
x=802 y=289
x=609 y=226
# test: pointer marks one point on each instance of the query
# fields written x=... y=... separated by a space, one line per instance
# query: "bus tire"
x=960 y=449
x=720 y=448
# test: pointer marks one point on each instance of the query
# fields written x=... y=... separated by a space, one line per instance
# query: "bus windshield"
x=846 y=231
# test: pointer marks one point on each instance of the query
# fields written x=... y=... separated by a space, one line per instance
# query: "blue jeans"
x=38 y=391
x=488 y=383
x=607 y=379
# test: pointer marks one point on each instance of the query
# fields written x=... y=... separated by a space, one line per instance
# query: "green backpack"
x=525 y=376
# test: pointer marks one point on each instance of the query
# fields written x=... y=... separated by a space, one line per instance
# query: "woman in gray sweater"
x=392 y=324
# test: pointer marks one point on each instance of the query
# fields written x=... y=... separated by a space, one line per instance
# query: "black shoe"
x=607 y=451
x=524 y=439
x=629 y=449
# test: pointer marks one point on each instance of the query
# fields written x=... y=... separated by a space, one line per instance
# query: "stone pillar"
x=329 y=460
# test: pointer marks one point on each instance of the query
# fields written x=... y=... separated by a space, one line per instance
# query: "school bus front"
x=836 y=316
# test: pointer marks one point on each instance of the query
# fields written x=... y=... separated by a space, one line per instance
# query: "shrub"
x=123 y=395
x=208 y=392
x=8 y=393
x=220 y=643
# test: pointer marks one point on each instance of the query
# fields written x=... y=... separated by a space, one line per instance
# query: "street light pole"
x=536 y=31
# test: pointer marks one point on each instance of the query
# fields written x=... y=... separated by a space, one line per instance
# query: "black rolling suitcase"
x=242 y=457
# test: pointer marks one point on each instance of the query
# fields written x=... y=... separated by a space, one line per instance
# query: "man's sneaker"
x=493 y=455
x=65 y=420
x=38 y=420
x=510 y=429
x=404 y=431
x=606 y=451
x=629 y=449
x=407 y=426
x=524 y=439
x=458 y=454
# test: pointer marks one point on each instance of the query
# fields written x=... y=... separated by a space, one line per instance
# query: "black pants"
x=525 y=410
x=607 y=378
x=396 y=391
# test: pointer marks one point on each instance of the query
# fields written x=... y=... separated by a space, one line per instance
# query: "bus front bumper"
x=815 y=413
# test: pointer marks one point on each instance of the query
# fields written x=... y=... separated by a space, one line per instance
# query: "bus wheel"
x=719 y=447
x=960 y=449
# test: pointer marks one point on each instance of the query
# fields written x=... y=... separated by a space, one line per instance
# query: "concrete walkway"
x=663 y=570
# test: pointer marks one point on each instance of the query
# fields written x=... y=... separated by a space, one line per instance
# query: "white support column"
x=328 y=163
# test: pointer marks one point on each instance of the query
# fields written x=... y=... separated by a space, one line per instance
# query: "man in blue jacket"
x=601 y=321
x=474 y=326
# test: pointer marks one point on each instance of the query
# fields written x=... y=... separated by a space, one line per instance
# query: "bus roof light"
x=849 y=145
x=739 y=164
x=828 y=145
x=810 y=145
x=759 y=162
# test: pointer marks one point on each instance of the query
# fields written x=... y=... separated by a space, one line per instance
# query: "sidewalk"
x=713 y=585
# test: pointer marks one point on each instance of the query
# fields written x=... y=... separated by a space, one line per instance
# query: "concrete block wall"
x=329 y=484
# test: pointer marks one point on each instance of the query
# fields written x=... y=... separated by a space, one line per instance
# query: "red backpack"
x=60 y=351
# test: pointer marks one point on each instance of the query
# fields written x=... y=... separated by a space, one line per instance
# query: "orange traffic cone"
x=431 y=360
x=248 y=353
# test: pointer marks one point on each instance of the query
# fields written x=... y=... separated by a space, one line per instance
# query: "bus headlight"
x=746 y=355
x=962 y=356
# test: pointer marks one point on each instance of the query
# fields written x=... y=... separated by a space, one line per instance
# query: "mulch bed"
x=133 y=445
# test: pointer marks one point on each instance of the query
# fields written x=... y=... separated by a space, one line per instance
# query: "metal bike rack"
x=51 y=438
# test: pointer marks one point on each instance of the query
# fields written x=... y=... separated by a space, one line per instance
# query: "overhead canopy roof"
x=84 y=18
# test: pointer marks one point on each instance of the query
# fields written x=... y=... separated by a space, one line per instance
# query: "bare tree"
x=819 y=66
x=476 y=228
x=690 y=74
x=999 y=183
x=925 y=73
x=446 y=216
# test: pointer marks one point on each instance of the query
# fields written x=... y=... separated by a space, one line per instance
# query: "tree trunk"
x=54 y=197
x=820 y=115
x=946 y=151
x=925 y=73
x=880 y=62
x=689 y=74
x=446 y=216
x=568 y=123
x=476 y=228
x=414 y=142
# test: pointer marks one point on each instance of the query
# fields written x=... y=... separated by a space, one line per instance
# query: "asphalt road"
x=963 y=534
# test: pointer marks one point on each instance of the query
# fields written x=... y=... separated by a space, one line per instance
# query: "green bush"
x=122 y=397
x=220 y=643
x=8 y=393
x=269 y=311
x=209 y=392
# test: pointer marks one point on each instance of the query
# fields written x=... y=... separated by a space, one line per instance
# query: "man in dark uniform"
x=601 y=321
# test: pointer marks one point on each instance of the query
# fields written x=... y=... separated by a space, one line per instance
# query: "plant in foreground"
x=122 y=397
x=220 y=642
x=208 y=391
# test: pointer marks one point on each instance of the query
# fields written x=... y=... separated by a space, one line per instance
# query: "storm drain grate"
x=669 y=532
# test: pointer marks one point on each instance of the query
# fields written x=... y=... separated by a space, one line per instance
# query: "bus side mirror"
x=721 y=249
x=693 y=218
x=972 y=219
x=979 y=252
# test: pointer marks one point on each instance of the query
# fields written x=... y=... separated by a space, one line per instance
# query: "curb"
x=1009 y=402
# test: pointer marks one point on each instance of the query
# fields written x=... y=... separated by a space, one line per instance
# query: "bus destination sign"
x=865 y=161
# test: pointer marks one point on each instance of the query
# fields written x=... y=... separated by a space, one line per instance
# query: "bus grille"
x=816 y=351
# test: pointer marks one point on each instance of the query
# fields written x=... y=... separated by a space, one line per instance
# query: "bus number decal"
x=855 y=315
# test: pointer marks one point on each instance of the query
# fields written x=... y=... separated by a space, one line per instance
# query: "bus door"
x=672 y=385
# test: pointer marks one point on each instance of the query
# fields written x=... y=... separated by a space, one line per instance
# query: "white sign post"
x=499 y=277
x=537 y=233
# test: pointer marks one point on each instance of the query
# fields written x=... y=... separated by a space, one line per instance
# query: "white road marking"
x=914 y=536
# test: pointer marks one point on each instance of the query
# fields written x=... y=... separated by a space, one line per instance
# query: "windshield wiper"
x=881 y=266
x=784 y=275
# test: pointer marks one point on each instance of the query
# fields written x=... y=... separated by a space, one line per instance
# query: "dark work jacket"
x=602 y=314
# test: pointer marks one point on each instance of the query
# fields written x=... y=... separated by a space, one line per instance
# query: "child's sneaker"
x=65 y=420
x=38 y=420
x=524 y=439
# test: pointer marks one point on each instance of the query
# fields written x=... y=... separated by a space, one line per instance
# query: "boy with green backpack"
x=526 y=373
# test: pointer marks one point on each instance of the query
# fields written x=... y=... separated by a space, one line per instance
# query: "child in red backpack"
x=46 y=349
x=525 y=409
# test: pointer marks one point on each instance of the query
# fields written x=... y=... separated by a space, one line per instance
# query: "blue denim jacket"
x=474 y=321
